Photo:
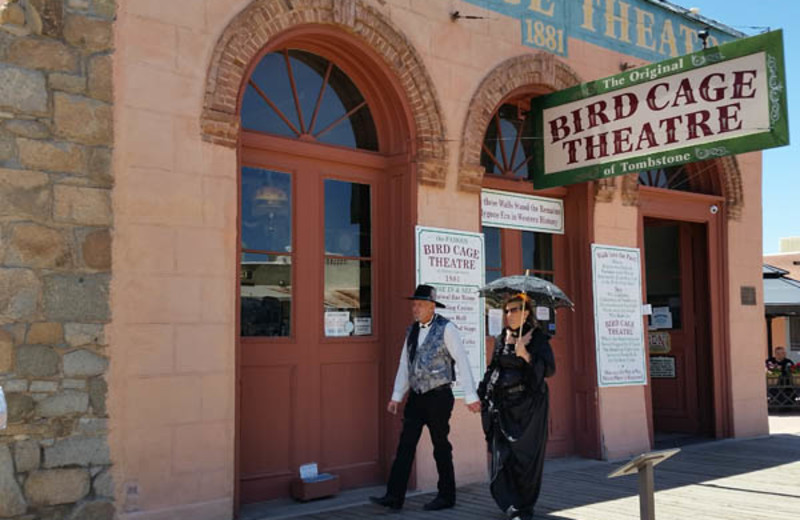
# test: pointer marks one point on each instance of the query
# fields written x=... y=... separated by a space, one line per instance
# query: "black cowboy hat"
x=427 y=293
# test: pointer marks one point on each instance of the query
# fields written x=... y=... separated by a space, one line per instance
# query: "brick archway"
x=540 y=68
x=252 y=29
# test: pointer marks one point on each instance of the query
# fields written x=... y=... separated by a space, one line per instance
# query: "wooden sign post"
x=643 y=465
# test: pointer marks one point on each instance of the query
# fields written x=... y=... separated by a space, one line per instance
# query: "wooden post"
x=647 y=502
x=643 y=465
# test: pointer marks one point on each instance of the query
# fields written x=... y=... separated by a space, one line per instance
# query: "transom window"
x=507 y=144
x=297 y=94
x=674 y=178
x=696 y=178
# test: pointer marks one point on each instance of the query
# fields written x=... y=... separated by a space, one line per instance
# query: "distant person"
x=430 y=354
x=515 y=406
x=779 y=361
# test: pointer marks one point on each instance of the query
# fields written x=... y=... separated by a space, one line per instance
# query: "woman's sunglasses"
x=512 y=310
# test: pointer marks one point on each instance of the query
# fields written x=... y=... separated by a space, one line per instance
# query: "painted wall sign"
x=662 y=367
x=453 y=262
x=725 y=100
x=504 y=209
x=619 y=329
x=647 y=29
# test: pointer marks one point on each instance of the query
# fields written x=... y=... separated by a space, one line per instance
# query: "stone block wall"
x=55 y=256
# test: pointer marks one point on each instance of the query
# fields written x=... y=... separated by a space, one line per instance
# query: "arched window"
x=696 y=178
x=297 y=94
x=507 y=144
x=506 y=154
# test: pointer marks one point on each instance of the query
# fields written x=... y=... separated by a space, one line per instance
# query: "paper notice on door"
x=661 y=318
x=542 y=313
x=363 y=326
x=495 y=321
x=337 y=323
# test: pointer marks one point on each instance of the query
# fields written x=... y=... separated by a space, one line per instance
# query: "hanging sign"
x=502 y=209
x=720 y=101
x=453 y=262
x=619 y=329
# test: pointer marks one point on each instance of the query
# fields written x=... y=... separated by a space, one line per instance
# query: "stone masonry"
x=55 y=257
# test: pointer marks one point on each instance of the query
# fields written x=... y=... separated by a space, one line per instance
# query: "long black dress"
x=515 y=406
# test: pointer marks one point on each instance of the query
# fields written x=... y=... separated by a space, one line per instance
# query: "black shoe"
x=387 y=501
x=439 y=503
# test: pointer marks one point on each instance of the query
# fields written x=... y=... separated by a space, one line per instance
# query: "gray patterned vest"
x=432 y=365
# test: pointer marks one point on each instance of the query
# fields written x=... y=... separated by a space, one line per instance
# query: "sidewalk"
x=755 y=479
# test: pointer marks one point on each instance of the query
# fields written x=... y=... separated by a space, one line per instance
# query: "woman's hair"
x=526 y=305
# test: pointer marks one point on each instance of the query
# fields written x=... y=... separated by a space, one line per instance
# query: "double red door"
x=310 y=339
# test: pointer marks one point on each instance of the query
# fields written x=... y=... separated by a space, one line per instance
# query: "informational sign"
x=363 y=326
x=502 y=209
x=453 y=262
x=495 y=322
x=662 y=367
x=660 y=342
x=647 y=29
x=337 y=323
x=661 y=318
x=619 y=328
x=720 y=101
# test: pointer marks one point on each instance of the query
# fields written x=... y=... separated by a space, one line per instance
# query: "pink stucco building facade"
x=191 y=397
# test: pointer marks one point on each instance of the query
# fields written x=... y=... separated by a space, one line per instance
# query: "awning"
x=781 y=297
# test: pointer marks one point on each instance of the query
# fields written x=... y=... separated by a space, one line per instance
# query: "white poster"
x=503 y=209
x=337 y=323
x=619 y=330
x=453 y=262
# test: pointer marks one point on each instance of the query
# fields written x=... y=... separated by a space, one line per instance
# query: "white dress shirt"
x=452 y=340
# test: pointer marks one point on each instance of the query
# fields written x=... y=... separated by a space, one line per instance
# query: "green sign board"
x=719 y=101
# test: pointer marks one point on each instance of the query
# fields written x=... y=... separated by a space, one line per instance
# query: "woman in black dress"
x=515 y=403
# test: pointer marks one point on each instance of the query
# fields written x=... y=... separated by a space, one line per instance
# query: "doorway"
x=679 y=336
x=317 y=271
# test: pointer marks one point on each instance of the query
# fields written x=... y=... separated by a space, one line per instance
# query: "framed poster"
x=619 y=326
x=453 y=262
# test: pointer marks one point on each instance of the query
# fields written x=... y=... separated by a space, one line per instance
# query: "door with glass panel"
x=680 y=362
x=310 y=279
x=509 y=252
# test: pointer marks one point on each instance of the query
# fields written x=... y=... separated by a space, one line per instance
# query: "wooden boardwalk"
x=755 y=479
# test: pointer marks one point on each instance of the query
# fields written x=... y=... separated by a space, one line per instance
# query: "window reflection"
x=266 y=295
x=348 y=281
x=266 y=210
x=348 y=222
x=494 y=259
x=663 y=268
x=537 y=251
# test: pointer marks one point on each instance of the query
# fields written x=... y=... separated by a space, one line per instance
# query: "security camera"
x=714 y=209
x=703 y=34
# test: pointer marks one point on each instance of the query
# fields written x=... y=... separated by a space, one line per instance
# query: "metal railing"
x=783 y=394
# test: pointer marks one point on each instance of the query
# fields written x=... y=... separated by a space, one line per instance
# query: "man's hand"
x=392 y=407
x=474 y=407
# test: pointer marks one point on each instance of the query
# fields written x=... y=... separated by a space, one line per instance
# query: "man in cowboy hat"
x=432 y=348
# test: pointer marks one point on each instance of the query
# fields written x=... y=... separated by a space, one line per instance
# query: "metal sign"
x=721 y=101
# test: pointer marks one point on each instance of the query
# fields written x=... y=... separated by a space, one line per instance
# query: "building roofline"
x=683 y=11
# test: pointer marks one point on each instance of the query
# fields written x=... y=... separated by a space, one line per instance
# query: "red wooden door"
x=512 y=252
x=311 y=339
x=673 y=282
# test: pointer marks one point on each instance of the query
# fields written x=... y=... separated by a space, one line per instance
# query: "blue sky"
x=781 y=195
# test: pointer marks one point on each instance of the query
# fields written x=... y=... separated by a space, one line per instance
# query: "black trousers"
x=431 y=409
